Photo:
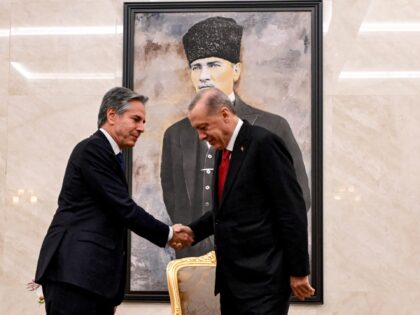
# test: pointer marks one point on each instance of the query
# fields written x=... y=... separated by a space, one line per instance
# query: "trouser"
x=261 y=305
x=67 y=299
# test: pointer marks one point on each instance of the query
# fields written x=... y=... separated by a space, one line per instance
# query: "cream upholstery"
x=191 y=285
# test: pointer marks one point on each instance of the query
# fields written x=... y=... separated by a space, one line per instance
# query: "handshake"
x=183 y=236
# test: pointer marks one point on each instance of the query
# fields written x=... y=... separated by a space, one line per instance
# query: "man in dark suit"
x=82 y=263
x=212 y=47
x=259 y=218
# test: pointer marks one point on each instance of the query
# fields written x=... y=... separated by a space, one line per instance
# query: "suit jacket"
x=180 y=165
x=85 y=243
x=260 y=225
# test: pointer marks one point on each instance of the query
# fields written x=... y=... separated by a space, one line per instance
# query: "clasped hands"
x=183 y=236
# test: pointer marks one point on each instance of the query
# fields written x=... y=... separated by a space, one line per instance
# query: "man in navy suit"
x=82 y=263
x=212 y=47
x=259 y=219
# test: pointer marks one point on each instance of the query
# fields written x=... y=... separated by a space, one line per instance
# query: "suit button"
x=217 y=221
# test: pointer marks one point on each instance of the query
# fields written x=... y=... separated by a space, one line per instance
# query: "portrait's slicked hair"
x=118 y=98
x=213 y=99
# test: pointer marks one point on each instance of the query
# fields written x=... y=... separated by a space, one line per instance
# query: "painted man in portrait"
x=213 y=49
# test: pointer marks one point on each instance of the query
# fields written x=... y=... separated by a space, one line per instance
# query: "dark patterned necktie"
x=120 y=159
x=223 y=170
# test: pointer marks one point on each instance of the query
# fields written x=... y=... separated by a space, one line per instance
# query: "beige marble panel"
x=15 y=300
x=4 y=72
x=4 y=45
x=393 y=11
x=43 y=128
x=382 y=52
x=347 y=49
x=345 y=20
x=3 y=164
x=371 y=189
x=4 y=64
x=385 y=51
x=63 y=55
x=41 y=134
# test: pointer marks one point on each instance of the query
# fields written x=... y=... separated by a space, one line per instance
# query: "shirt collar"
x=234 y=135
x=111 y=141
x=232 y=97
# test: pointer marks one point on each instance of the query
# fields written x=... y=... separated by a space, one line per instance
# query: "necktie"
x=120 y=159
x=223 y=170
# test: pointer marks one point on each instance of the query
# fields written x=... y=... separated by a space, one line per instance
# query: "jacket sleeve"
x=100 y=173
x=202 y=227
x=284 y=131
x=286 y=201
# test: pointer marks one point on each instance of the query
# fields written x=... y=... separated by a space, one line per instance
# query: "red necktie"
x=223 y=170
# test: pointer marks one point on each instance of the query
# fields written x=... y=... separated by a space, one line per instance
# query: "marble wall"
x=51 y=85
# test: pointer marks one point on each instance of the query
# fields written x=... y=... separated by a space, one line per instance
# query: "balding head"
x=211 y=113
x=213 y=99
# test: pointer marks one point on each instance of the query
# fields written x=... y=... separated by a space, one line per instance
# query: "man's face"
x=214 y=72
x=126 y=128
x=210 y=127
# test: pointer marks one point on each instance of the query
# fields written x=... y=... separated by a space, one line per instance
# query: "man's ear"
x=226 y=114
x=111 y=114
x=237 y=67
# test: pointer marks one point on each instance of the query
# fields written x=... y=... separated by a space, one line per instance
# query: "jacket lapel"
x=109 y=151
x=240 y=149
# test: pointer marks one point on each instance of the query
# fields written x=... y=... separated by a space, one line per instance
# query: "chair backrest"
x=191 y=285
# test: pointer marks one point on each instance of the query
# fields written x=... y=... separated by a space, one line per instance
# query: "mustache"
x=205 y=86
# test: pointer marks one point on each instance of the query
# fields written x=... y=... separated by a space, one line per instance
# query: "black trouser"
x=262 y=305
x=66 y=299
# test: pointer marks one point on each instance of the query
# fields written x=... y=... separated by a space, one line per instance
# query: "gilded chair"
x=191 y=285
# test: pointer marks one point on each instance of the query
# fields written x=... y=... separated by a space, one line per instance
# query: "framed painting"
x=275 y=51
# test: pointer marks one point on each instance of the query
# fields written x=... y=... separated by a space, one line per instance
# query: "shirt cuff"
x=171 y=233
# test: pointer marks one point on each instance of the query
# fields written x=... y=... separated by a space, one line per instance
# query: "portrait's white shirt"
x=232 y=97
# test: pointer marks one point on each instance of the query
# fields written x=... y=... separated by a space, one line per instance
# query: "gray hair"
x=118 y=98
x=213 y=99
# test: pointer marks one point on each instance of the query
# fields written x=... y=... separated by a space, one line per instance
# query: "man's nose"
x=202 y=136
x=204 y=74
x=140 y=127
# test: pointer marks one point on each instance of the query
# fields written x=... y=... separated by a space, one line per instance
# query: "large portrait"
x=266 y=56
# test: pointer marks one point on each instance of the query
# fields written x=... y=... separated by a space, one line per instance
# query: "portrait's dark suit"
x=85 y=243
x=182 y=161
x=260 y=225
